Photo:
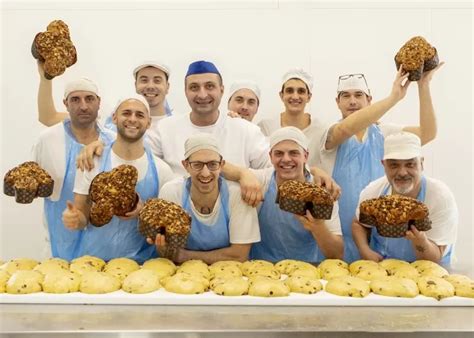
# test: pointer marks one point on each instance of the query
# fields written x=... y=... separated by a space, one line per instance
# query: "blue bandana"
x=202 y=67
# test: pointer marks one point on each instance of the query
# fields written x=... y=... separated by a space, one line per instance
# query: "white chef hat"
x=133 y=97
x=154 y=64
x=298 y=73
x=244 y=84
x=82 y=84
x=200 y=141
x=402 y=146
x=291 y=134
x=352 y=82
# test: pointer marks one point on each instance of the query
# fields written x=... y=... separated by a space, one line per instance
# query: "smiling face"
x=404 y=175
x=351 y=101
x=203 y=180
x=245 y=103
x=288 y=159
x=204 y=92
x=153 y=85
x=132 y=119
x=83 y=108
x=295 y=95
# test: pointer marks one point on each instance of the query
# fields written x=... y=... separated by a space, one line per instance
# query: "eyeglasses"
x=211 y=165
x=348 y=76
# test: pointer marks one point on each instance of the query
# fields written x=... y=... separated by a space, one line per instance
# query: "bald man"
x=119 y=237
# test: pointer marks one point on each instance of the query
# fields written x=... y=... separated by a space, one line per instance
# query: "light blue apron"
x=120 y=238
x=401 y=248
x=205 y=237
x=282 y=235
x=65 y=242
x=109 y=123
x=357 y=164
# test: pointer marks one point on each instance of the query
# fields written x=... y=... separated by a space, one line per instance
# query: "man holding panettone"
x=403 y=165
x=119 y=237
x=223 y=227
x=284 y=234
x=56 y=151
x=351 y=148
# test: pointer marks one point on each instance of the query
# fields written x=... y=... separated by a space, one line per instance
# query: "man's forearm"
x=236 y=252
x=232 y=172
x=47 y=113
x=428 y=251
x=331 y=245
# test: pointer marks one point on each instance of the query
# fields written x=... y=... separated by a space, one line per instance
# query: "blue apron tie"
x=205 y=237
x=120 y=238
x=282 y=235
x=357 y=164
x=400 y=248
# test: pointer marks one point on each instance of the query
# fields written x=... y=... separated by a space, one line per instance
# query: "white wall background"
x=258 y=40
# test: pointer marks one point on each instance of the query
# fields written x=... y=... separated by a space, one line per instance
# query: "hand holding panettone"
x=417 y=56
x=28 y=181
x=297 y=197
x=113 y=193
x=159 y=216
x=55 y=48
x=394 y=214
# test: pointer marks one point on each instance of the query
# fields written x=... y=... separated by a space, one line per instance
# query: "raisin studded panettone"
x=113 y=193
x=54 y=47
x=167 y=218
x=27 y=181
x=394 y=214
x=417 y=56
x=297 y=197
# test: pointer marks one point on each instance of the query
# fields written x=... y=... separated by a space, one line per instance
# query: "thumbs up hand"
x=72 y=217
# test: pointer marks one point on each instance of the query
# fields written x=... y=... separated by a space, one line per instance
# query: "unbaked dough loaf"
x=465 y=290
x=24 y=281
x=52 y=265
x=252 y=264
x=356 y=266
x=142 y=281
x=84 y=264
x=435 y=287
x=99 y=282
x=234 y=286
x=184 y=283
x=394 y=287
x=121 y=267
x=267 y=287
x=370 y=273
x=348 y=286
x=162 y=266
x=302 y=284
x=61 y=281
x=392 y=264
x=19 y=264
x=406 y=271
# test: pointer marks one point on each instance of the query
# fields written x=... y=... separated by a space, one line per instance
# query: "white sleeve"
x=264 y=176
x=367 y=193
x=334 y=224
x=324 y=138
x=243 y=226
x=83 y=179
x=443 y=215
x=153 y=139
x=165 y=174
x=258 y=148
x=390 y=128
x=172 y=191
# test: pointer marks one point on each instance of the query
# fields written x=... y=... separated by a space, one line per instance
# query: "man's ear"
x=114 y=118
x=422 y=161
x=369 y=98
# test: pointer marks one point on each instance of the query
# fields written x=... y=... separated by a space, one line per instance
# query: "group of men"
x=225 y=171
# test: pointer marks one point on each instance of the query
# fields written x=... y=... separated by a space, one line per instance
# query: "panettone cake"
x=416 y=56
x=55 y=48
x=297 y=197
x=113 y=193
x=27 y=181
x=167 y=218
x=394 y=214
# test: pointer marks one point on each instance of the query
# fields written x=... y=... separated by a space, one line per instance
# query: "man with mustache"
x=223 y=227
x=403 y=165
x=352 y=148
